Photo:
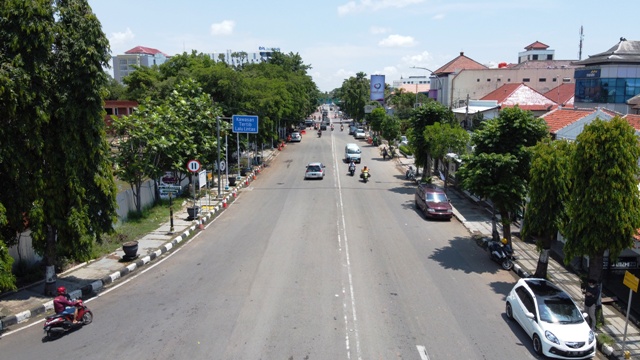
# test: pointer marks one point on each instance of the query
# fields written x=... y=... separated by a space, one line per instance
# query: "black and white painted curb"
x=97 y=285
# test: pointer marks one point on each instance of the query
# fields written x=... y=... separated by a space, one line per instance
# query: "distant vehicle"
x=315 y=170
x=551 y=319
x=433 y=202
x=352 y=129
x=404 y=141
x=323 y=126
x=359 y=134
x=352 y=152
x=295 y=137
x=308 y=122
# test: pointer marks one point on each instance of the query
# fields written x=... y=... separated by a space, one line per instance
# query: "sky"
x=339 y=38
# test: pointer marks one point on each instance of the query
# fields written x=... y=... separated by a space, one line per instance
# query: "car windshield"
x=353 y=151
x=436 y=197
x=313 y=168
x=559 y=311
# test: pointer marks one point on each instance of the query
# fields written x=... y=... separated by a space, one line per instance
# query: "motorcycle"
x=410 y=174
x=365 y=176
x=56 y=325
x=502 y=254
x=319 y=133
x=341 y=128
x=331 y=127
x=352 y=169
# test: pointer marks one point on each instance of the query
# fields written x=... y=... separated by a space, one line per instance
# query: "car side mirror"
x=530 y=315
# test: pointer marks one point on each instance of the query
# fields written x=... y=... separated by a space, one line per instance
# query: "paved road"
x=330 y=269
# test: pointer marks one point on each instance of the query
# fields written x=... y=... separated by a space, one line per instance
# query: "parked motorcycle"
x=352 y=169
x=501 y=253
x=56 y=325
x=410 y=174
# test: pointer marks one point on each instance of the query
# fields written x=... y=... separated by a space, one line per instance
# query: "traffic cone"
x=254 y=176
x=234 y=193
x=224 y=203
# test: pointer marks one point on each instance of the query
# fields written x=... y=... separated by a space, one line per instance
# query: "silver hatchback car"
x=315 y=170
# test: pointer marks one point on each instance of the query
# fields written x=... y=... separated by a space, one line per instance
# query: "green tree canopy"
x=603 y=210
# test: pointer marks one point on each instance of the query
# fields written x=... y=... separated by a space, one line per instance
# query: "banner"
x=377 y=87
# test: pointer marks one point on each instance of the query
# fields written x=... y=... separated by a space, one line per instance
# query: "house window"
x=488 y=80
x=534 y=57
x=498 y=79
x=542 y=80
x=566 y=80
x=478 y=80
x=509 y=80
x=549 y=57
x=526 y=80
x=553 y=80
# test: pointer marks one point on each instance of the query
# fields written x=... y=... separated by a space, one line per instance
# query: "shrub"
x=405 y=150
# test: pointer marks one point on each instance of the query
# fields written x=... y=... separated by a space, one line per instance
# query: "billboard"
x=377 y=87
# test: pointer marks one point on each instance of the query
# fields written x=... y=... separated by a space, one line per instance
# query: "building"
x=237 y=58
x=521 y=95
x=413 y=84
x=464 y=78
x=609 y=79
x=118 y=108
x=123 y=65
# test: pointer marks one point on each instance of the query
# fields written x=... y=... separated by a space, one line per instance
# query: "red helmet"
x=62 y=290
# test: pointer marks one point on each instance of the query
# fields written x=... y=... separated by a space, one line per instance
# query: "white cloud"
x=422 y=59
x=373 y=5
x=397 y=41
x=376 y=30
x=223 y=28
x=119 y=38
x=437 y=17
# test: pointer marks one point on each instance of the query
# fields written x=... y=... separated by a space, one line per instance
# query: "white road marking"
x=342 y=239
x=423 y=352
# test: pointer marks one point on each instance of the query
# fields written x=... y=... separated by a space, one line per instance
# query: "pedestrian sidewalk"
x=88 y=279
x=475 y=215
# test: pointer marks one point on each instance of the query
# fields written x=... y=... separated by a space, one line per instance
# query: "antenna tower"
x=580 y=47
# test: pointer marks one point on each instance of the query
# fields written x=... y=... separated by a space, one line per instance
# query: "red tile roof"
x=144 y=50
x=461 y=62
x=559 y=118
x=512 y=94
x=563 y=94
x=537 y=45
x=633 y=120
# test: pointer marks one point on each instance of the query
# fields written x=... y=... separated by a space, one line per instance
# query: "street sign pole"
x=218 y=143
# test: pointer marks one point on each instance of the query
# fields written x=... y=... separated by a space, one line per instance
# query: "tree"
x=444 y=139
x=499 y=167
x=390 y=128
x=426 y=115
x=603 y=210
x=115 y=90
x=76 y=193
x=354 y=95
x=548 y=191
x=376 y=118
x=26 y=38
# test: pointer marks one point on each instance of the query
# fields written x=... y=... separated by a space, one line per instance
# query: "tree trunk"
x=506 y=226
x=543 y=259
x=50 y=262
x=137 y=197
x=595 y=266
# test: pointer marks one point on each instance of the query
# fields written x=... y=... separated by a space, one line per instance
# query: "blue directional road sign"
x=245 y=124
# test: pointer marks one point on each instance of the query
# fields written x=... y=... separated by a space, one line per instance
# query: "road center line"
x=342 y=233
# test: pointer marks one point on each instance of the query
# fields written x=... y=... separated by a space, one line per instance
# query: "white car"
x=404 y=141
x=314 y=170
x=359 y=134
x=551 y=319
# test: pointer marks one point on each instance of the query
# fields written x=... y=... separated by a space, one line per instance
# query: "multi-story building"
x=464 y=77
x=236 y=58
x=123 y=65
x=609 y=79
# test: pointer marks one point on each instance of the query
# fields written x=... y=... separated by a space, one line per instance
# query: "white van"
x=352 y=152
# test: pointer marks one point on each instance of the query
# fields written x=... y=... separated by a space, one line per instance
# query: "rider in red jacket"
x=63 y=305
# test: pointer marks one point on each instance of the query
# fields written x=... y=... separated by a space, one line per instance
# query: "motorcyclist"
x=341 y=127
x=63 y=305
x=331 y=127
x=319 y=132
x=352 y=165
x=365 y=170
x=384 y=154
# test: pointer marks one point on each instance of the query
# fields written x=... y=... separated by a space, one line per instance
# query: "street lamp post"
x=431 y=71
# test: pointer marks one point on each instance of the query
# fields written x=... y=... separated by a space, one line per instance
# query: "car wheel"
x=537 y=344
x=509 y=310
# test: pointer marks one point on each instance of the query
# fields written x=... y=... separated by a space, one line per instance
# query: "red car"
x=433 y=202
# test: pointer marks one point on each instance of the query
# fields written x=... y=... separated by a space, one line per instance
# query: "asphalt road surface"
x=316 y=269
